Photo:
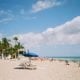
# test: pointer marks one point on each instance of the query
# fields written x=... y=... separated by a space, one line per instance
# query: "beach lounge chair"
x=31 y=67
x=67 y=62
x=79 y=64
x=26 y=65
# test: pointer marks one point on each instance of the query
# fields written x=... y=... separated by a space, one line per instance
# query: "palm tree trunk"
x=2 y=56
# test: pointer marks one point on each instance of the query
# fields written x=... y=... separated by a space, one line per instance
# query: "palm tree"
x=16 y=40
x=5 y=46
x=1 y=49
x=17 y=47
x=11 y=52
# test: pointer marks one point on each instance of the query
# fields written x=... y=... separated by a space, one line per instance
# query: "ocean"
x=67 y=58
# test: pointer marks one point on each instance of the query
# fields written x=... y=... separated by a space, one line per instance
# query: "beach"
x=46 y=70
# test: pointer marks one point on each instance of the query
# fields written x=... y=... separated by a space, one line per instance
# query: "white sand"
x=46 y=70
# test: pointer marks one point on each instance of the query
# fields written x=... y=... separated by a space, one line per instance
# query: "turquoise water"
x=68 y=58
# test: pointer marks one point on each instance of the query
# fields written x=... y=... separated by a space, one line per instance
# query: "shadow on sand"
x=22 y=68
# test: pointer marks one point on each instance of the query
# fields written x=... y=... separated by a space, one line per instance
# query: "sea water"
x=68 y=58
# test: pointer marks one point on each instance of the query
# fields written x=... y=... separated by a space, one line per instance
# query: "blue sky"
x=52 y=26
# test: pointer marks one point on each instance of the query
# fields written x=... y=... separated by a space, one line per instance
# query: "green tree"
x=17 y=47
x=5 y=46
x=1 y=48
x=16 y=40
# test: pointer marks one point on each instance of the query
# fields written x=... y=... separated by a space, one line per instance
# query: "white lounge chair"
x=26 y=65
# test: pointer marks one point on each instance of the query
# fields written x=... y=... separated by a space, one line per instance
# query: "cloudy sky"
x=47 y=27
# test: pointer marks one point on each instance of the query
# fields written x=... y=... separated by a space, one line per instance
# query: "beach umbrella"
x=29 y=54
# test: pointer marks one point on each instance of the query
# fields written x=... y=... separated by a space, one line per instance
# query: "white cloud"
x=31 y=39
x=6 y=16
x=44 y=4
x=26 y=15
x=6 y=13
x=67 y=33
x=6 y=20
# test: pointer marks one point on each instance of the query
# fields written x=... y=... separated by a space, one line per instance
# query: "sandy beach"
x=46 y=70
